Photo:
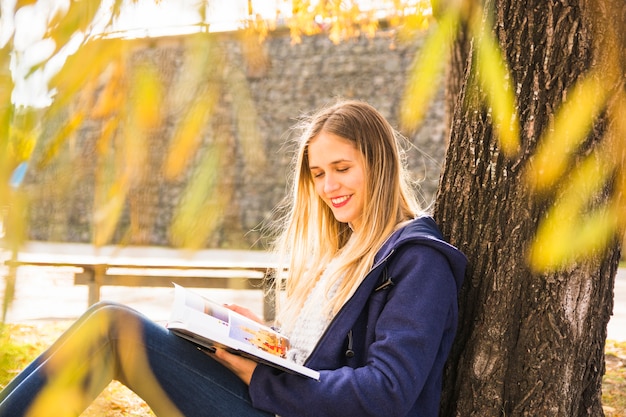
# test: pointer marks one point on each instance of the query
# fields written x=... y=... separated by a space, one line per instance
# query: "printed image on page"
x=248 y=331
x=240 y=328
x=210 y=325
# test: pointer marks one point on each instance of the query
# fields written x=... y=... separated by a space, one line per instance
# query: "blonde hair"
x=312 y=237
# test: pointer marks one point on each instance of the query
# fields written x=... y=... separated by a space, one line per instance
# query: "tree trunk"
x=529 y=344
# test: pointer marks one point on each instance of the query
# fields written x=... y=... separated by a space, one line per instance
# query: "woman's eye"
x=343 y=169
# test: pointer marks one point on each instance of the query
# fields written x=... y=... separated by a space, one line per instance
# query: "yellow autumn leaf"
x=109 y=127
x=75 y=73
x=572 y=123
x=495 y=80
x=188 y=134
x=69 y=390
x=146 y=97
x=22 y=143
x=564 y=237
x=51 y=149
x=570 y=231
x=246 y=120
x=108 y=208
x=65 y=24
x=22 y=135
x=111 y=98
x=423 y=81
x=6 y=89
x=21 y=3
x=203 y=202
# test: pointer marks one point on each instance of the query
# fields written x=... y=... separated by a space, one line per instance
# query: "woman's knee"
x=113 y=317
x=111 y=308
x=105 y=304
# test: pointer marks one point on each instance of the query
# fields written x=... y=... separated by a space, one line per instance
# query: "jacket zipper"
x=376 y=266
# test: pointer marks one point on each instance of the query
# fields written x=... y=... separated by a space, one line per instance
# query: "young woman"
x=371 y=303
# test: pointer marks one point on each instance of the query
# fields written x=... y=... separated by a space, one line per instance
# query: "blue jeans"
x=112 y=341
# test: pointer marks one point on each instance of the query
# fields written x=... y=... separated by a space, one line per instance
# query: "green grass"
x=22 y=343
x=18 y=350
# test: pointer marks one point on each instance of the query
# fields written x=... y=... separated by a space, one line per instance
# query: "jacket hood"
x=423 y=230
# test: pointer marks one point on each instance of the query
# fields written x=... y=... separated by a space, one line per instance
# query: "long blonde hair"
x=312 y=237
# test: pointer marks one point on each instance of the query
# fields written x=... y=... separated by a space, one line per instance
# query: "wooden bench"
x=150 y=266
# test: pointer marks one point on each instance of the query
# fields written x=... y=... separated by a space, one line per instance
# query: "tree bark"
x=528 y=344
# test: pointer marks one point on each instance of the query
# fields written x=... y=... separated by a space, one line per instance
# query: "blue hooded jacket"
x=383 y=354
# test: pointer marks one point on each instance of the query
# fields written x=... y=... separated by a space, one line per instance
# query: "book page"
x=210 y=324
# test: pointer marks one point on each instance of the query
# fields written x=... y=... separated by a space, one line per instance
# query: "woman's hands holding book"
x=240 y=366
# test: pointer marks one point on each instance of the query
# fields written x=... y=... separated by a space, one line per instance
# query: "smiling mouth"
x=340 y=201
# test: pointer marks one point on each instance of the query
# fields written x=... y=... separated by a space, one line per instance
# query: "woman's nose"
x=330 y=184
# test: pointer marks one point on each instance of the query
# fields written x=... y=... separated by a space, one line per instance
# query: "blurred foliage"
x=95 y=76
x=490 y=68
x=72 y=386
x=576 y=225
x=131 y=102
x=343 y=20
x=97 y=82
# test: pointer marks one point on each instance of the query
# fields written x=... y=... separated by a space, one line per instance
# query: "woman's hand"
x=244 y=312
x=240 y=366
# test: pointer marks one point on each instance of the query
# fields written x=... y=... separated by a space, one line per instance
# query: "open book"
x=209 y=324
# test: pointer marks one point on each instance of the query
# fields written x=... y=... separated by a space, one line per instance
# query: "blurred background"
x=170 y=123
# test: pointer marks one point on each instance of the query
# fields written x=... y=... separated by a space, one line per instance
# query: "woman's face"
x=338 y=172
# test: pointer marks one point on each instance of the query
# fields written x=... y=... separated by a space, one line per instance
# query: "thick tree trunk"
x=529 y=344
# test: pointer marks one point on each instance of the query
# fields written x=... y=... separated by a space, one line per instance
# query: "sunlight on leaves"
x=495 y=79
x=23 y=134
x=572 y=124
x=571 y=231
x=109 y=201
x=559 y=238
x=347 y=19
x=72 y=385
x=188 y=135
x=300 y=24
x=146 y=97
x=253 y=50
x=411 y=25
x=246 y=120
x=15 y=222
x=109 y=102
x=131 y=103
x=61 y=137
x=68 y=390
x=75 y=74
x=195 y=94
x=425 y=72
x=6 y=88
x=123 y=143
x=66 y=24
x=203 y=202
x=21 y=3
x=566 y=236
x=125 y=164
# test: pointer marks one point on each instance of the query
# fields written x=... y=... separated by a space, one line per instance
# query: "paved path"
x=52 y=296
x=617 y=324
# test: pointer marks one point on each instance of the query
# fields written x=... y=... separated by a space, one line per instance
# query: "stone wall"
x=298 y=80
